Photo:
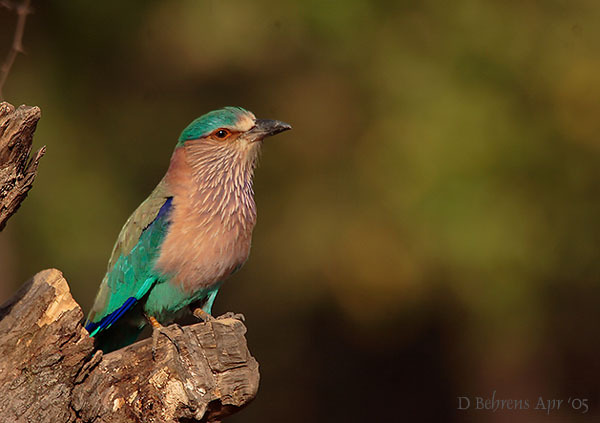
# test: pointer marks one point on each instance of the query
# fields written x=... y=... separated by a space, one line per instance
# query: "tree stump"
x=50 y=373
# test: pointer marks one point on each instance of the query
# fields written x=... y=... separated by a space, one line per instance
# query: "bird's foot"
x=232 y=315
x=203 y=315
x=157 y=330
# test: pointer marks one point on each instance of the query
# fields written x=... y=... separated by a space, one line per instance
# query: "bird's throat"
x=213 y=217
x=222 y=182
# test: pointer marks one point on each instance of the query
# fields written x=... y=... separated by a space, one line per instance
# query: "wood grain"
x=49 y=370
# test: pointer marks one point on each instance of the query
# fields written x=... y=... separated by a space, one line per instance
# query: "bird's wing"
x=130 y=273
x=141 y=218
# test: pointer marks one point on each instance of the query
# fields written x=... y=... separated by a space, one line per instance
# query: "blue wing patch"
x=163 y=212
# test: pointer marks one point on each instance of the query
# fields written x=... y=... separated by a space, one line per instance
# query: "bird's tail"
x=120 y=335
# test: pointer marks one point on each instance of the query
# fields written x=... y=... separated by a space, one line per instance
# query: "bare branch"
x=22 y=10
x=17 y=168
x=6 y=4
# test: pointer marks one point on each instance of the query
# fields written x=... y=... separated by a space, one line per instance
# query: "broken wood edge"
x=207 y=376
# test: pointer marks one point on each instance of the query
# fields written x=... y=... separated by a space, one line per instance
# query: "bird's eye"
x=222 y=133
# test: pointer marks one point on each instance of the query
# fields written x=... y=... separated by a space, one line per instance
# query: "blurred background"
x=428 y=230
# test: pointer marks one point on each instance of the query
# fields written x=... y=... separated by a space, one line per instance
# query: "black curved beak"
x=267 y=127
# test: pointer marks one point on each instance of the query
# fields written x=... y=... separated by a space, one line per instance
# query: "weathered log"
x=50 y=373
x=17 y=170
x=43 y=347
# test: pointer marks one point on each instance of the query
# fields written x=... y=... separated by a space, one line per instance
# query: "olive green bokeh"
x=430 y=228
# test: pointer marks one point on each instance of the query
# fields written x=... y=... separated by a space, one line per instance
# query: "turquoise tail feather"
x=123 y=333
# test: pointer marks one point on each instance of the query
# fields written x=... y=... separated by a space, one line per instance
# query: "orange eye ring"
x=222 y=133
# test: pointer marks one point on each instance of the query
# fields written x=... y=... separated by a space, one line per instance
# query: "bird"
x=192 y=232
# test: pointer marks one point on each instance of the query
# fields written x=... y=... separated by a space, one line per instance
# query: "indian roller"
x=189 y=235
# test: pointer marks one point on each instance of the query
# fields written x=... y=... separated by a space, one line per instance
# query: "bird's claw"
x=232 y=315
x=205 y=317
x=156 y=332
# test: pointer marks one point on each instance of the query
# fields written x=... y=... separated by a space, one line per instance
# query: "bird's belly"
x=190 y=274
x=197 y=262
x=168 y=302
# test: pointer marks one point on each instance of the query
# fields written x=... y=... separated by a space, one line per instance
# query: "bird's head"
x=230 y=132
x=220 y=149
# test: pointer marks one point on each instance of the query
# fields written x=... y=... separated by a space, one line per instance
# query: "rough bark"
x=50 y=373
x=17 y=170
